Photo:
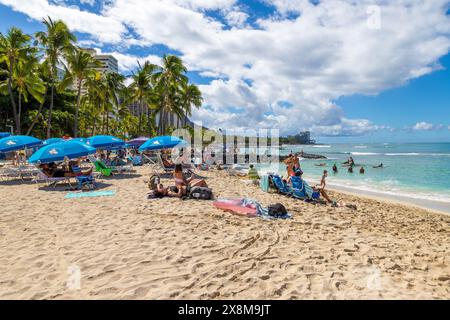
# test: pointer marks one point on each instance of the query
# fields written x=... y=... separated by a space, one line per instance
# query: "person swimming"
x=321 y=164
x=335 y=168
x=379 y=166
x=362 y=170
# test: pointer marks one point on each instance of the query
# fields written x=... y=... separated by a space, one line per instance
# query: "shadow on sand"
x=121 y=176
x=17 y=182
x=66 y=187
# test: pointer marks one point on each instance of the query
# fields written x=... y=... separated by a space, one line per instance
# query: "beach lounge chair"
x=282 y=187
x=298 y=188
x=136 y=161
x=83 y=181
x=51 y=182
x=101 y=168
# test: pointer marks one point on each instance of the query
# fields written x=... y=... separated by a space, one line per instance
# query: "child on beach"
x=322 y=186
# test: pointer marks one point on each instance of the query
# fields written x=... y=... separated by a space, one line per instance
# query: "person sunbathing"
x=322 y=186
x=181 y=181
x=167 y=162
x=157 y=188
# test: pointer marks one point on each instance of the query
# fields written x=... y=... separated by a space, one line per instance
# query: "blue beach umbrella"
x=14 y=143
x=4 y=134
x=164 y=142
x=82 y=140
x=59 y=151
x=105 y=142
x=53 y=141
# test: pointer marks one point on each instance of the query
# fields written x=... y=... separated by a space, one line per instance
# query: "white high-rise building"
x=108 y=62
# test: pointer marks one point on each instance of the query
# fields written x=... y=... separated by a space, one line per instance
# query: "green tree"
x=80 y=65
x=28 y=83
x=14 y=47
x=141 y=89
x=56 y=42
x=190 y=95
x=169 y=79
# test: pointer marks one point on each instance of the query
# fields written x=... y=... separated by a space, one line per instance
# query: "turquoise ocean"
x=414 y=170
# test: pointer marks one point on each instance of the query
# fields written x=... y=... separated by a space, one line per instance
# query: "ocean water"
x=419 y=171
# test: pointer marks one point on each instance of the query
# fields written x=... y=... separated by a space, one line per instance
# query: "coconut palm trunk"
x=50 y=111
x=77 y=110
x=35 y=120
x=13 y=102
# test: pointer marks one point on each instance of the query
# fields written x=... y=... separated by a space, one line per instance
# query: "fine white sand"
x=128 y=247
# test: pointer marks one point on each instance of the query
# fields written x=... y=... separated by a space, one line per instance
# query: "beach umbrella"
x=105 y=142
x=164 y=142
x=59 y=151
x=82 y=140
x=14 y=143
x=53 y=141
x=138 y=142
x=4 y=134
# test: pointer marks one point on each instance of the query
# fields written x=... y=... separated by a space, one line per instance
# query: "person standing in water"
x=362 y=170
x=335 y=168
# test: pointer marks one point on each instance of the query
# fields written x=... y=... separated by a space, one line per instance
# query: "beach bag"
x=277 y=210
x=200 y=193
x=153 y=182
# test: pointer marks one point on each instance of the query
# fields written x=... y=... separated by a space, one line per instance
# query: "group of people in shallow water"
x=350 y=163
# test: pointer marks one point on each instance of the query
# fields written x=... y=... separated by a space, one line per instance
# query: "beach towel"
x=263 y=212
x=264 y=183
x=93 y=194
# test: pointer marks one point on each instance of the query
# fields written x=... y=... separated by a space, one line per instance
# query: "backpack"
x=277 y=210
x=201 y=193
x=154 y=181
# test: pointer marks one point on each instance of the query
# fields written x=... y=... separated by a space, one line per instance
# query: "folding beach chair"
x=101 y=168
x=83 y=181
x=51 y=182
x=281 y=186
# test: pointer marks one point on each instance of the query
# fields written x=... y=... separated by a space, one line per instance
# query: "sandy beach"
x=128 y=247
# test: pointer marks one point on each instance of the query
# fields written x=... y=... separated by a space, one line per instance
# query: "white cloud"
x=236 y=18
x=425 y=126
x=310 y=61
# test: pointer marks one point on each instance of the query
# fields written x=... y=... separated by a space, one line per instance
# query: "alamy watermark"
x=235 y=146
x=374 y=17
x=74 y=278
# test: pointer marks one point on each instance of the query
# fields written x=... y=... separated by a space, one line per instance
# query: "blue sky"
x=293 y=65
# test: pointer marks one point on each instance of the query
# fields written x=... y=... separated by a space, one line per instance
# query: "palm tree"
x=190 y=95
x=141 y=89
x=43 y=72
x=81 y=65
x=56 y=42
x=14 y=47
x=114 y=84
x=93 y=101
x=169 y=80
x=28 y=83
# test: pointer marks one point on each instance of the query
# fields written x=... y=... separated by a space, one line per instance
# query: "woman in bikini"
x=182 y=182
